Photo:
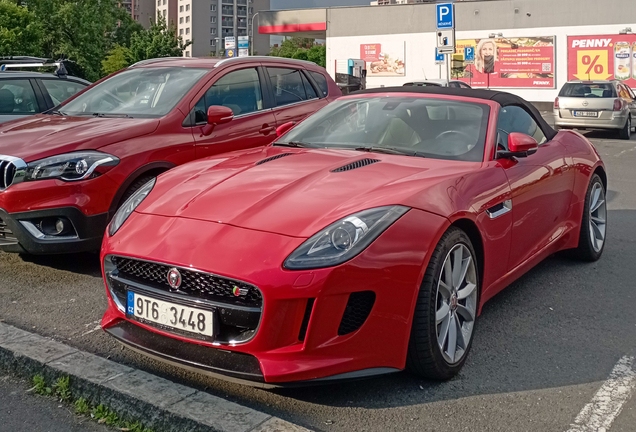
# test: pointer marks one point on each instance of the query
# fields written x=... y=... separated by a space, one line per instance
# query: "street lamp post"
x=253 y=38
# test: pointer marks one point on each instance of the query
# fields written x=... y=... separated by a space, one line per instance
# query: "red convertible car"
x=365 y=240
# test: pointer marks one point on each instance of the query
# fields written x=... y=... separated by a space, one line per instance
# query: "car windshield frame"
x=154 y=94
x=423 y=126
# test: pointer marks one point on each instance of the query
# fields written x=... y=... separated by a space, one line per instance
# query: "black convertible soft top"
x=502 y=98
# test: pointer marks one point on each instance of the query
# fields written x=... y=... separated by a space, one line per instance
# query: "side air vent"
x=269 y=159
x=355 y=165
x=305 y=323
x=357 y=311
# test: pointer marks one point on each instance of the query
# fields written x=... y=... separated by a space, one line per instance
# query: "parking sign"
x=439 y=58
x=445 y=16
x=469 y=54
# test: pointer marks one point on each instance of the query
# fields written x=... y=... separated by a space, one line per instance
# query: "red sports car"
x=364 y=241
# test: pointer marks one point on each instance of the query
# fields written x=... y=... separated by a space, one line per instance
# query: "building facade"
x=208 y=22
x=141 y=11
x=168 y=10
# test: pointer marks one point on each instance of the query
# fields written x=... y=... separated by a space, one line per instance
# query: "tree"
x=302 y=49
x=158 y=41
x=20 y=31
x=117 y=59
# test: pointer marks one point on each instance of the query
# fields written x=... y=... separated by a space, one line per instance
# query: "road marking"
x=607 y=403
x=624 y=151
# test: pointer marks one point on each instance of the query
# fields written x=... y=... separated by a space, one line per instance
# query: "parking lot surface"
x=542 y=348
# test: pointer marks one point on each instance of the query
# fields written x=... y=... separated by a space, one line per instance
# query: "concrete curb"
x=135 y=394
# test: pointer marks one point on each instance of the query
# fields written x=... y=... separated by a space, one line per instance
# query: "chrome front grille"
x=197 y=284
x=12 y=171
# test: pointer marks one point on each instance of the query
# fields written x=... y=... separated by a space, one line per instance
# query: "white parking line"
x=598 y=415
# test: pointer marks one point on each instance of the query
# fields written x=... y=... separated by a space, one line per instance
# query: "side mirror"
x=519 y=145
x=217 y=115
x=282 y=129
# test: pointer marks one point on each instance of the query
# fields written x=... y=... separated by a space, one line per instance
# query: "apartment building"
x=168 y=9
x=208 y=22
x=394 y=2
x=140 y=10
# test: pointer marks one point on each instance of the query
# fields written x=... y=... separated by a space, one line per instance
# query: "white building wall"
x=420 y=53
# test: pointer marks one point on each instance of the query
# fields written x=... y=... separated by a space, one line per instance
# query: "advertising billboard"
x=230 y=42
x=602 y=57
x=520 y=62
x=384 y=59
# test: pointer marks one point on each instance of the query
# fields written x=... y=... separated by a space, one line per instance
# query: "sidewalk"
x=158 y=403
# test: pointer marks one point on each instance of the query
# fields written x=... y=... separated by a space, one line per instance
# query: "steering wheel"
x=459 y=133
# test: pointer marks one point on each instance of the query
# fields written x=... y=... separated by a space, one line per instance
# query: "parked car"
x=363 y=241
x=596 y=105
x=438 y=83
x=24 y=93
x=65 y=173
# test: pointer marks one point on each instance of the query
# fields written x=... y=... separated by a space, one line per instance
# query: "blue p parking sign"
x=469 y=54
x=445 y=16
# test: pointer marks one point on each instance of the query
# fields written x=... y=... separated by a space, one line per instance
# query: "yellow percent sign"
x=592 y=65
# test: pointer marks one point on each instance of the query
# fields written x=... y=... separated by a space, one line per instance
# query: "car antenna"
x=424 y=74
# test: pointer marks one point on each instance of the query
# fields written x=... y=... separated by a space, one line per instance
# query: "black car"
x=27 y=93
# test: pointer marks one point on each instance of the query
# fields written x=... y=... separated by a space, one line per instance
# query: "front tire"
x=593 y=222
x=446 y=309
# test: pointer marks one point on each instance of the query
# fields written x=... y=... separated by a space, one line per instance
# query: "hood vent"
x=355 y=165
x=269 y=159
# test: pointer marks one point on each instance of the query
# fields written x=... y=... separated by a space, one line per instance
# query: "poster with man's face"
x=520 y=62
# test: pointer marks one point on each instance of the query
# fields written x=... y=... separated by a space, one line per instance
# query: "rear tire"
x=445 y=313
x=593 y=223
x=626 y=132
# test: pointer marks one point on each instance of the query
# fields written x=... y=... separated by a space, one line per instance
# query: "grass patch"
x=101 y=413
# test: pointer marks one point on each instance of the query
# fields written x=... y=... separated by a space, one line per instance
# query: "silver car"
x=596 y=105
x=438 y=83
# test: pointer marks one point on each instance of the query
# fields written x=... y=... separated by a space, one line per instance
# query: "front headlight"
x=344 y=239
x=129 y=206
x=72 y=166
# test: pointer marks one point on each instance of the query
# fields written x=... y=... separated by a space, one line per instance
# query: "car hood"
x=42 y=135
x=297 y=194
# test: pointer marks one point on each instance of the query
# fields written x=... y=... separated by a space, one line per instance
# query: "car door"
x=19 y=98
x=253 y=125
x=293 y=95
x=541 y=186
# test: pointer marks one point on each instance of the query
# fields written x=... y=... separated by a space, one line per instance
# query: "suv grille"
x=7 y=173
x=6 y=236
x=196 y=284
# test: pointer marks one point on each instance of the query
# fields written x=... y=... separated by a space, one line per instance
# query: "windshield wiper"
x=389 y=150
x=293 y=144
x=102 y=115
x=56 y=112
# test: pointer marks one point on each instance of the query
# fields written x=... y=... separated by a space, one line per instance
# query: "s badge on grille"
x=239 y=291
x=174 y=278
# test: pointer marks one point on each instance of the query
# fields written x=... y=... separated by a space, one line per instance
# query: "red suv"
x=63 y=174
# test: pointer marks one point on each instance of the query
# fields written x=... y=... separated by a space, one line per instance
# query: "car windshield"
x=413 y=126
x=138 y=92
x=585 y=90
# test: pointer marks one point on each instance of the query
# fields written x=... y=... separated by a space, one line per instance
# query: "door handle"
x=266 y=129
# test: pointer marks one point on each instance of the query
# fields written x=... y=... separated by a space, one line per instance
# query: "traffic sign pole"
x=445 y=17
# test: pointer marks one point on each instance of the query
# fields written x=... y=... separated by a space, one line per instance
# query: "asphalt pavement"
x=21 y=410
x=542 y=349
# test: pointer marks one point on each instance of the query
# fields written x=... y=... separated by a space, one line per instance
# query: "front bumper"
x=87 y=233
x=300 y=337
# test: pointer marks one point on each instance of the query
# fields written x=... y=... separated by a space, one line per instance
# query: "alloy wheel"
x=456 y=302
x=598 y=216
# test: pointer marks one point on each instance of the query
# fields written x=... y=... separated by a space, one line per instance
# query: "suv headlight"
x=129 y=206
x=344 y=239
x=72 y=166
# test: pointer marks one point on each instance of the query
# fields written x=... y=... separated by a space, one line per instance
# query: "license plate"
x=585 y=114
x=171 y=315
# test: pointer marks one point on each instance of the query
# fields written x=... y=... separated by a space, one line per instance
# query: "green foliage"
x=137 y=427
x=117 y=59
x=302 y=49
x=160 y=40
x=20 y=31
x=62 y=388
x=40 y=387
x=82 y=406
